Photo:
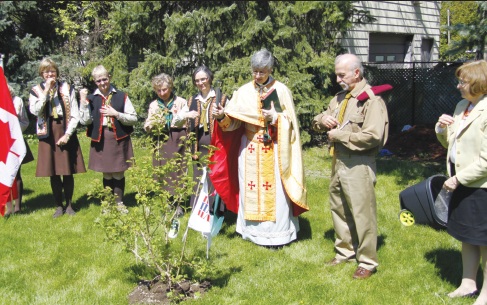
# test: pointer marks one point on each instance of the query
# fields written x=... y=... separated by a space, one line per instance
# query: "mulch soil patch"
x=155 y=292
x=418 y=143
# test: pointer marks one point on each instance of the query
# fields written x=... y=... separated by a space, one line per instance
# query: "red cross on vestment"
x=267 y=185
x=251 y=148
x=266 y=148
x=251 y=184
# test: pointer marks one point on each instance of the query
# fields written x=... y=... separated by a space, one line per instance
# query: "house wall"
x=418 y=18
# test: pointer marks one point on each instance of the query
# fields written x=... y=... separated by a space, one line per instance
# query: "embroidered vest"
x=194 y=104
x=94 y=130
x=42 y=125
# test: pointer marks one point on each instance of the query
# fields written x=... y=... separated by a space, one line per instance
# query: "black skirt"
x=467 y=215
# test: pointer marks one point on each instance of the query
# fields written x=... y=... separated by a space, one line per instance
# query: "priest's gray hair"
x=262 y=59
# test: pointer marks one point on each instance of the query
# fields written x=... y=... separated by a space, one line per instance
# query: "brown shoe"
x=59 y=212
x=362 y=273
x=70 y=211
x=335 y=261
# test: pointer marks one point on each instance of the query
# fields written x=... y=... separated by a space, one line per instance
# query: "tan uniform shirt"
x=365 y=125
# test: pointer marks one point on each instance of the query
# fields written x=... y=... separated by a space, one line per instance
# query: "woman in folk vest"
x=167 y=115
x=54 y=104
x=110 y=117
x=203 y=124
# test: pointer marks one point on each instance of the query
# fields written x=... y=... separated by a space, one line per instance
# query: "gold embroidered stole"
x=259 y=177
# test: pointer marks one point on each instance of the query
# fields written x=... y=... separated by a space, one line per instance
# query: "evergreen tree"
x=136 y=40
x=468 y=29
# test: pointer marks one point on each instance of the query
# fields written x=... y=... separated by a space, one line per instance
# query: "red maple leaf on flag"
x=8 y=140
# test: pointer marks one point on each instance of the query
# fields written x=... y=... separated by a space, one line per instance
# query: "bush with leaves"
x=144 y=230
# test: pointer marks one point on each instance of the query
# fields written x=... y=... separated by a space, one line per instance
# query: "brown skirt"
x=55 y=160
x=166 y=151
x=110 y=155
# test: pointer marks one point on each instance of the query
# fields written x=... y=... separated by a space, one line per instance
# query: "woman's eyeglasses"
x=462 y=83
x=201 y=80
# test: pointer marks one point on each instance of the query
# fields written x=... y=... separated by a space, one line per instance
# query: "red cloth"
x=224 y=165
x=376 y=89
x=12 y=148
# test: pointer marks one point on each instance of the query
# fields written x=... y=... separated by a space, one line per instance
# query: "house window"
x=387 y=47
x=426 y=49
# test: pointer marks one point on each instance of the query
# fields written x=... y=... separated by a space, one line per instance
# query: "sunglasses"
x=101 y=80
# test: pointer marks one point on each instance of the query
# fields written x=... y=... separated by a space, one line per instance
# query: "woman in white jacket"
x=465 y=136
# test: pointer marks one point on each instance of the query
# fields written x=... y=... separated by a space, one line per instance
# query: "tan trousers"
x=353 y=208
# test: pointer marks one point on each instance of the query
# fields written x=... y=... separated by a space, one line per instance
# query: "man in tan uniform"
x=357 y=129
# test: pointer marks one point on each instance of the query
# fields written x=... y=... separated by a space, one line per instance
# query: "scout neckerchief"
x=53 y=105
x=107 y=102
x=341 y=115
x=204 y=118
x=167 y=109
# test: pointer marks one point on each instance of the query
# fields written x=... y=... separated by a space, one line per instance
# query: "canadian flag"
x=12 y=146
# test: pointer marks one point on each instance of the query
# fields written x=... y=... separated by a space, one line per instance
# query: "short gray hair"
x=354 y=61
x=262 y=59
x=161 y=79
x=99 y=71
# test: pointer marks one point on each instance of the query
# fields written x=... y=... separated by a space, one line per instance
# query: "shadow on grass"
x=448 y=264
x=381 y=239
x=229 y=220
x=405 y=171
x=304 y=229
x=41 y=202
x=46 y=201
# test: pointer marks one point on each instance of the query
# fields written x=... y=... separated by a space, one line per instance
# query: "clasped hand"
x=445 y=120
x=330 y=122
x=109 y=111
x=269 y=114
x=218 y=111
x=63 y=140
x=193 y=114
x=451 y=184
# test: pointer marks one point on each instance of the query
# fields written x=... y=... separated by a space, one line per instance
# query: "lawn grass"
x=66 y=260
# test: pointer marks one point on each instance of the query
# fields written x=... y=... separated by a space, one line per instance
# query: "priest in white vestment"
x=271 y=190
